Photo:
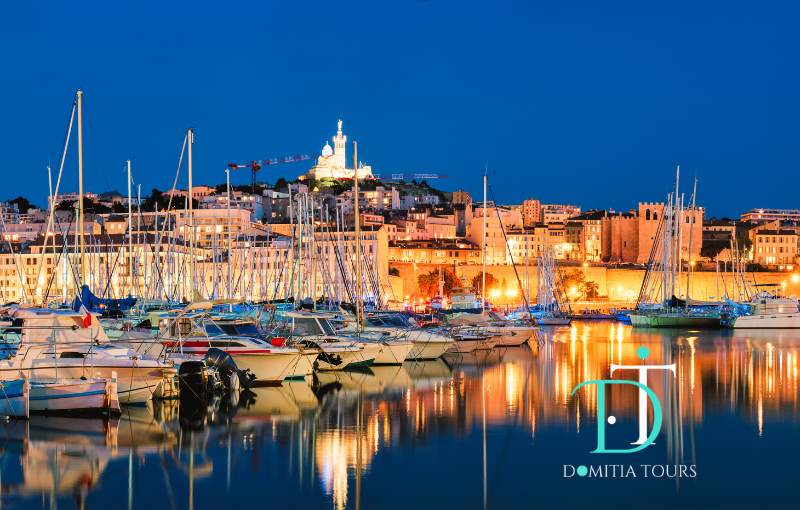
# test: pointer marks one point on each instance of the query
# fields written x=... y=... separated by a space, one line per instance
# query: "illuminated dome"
x=327 y=151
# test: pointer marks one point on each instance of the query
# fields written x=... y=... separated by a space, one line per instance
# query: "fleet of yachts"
x=60 y=360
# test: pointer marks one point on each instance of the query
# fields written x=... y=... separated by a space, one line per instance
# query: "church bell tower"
x=339 y=156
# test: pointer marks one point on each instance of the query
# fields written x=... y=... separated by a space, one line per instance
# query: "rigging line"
x=97 y=147
x=503 y=229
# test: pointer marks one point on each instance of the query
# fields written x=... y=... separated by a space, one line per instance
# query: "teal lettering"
x=601 y=415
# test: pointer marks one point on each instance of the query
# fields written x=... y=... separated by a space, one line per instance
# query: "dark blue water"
x=491 y=430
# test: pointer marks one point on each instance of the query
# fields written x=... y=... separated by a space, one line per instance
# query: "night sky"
x=587 y=103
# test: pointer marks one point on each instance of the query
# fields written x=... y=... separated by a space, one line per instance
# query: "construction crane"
x=395 y=177
x=256 y=165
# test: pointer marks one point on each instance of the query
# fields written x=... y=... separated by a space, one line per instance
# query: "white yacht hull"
x=303 y=367
x=771 y=321
x=136 y=384
x=338 y=358
x=515 y=336
x=486 y=345
x=14 y=398
x=429 y=350
x=267 y=366
x=394 y=352
x=70 y=395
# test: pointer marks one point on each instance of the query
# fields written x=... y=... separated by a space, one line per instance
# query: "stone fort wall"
x=618 y=284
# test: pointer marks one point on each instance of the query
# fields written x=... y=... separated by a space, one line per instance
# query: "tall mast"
x=80 y=191
x=230 y=240
x=189 y=225
x=483 y=247
x=689 y=258
x=358 y=239
x=130 y=228
x=675 y=255
x=50 y=222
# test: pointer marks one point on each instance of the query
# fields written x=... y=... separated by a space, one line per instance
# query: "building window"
x=647 y=215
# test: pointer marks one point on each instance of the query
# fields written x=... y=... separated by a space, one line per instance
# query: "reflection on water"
x=455 y=432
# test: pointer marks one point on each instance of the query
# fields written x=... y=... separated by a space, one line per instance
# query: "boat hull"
x=340 y=358
x=267 y=366
x=14 y=399
x=135 y=384
x=772 y=321
x=428 y=350
x=70 y=396
x=515 y=336
x=684 y=321
x=304 y=366
x=394 y=352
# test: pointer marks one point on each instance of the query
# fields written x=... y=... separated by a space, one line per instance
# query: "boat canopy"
x=49 y=326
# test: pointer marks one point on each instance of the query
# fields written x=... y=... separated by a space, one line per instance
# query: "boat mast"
x=130 y=228
x=358 y=239
x=189 y=222
x=80 y=191
x=230 y=233
x=689 y=258
x=483 y=247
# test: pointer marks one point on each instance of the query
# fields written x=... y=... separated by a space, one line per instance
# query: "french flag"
x=77 y=305
x=87 y=317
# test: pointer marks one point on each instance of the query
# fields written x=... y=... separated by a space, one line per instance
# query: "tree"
x=573 y=281
x=428 y=283
x=491 y=282
x=424 y=183
x=711 y=249
x=280 y=184
x=591 y=290
x=22 y=204
x=89 y=207
x=743 y=243
x=118 y=208
x=393 y=271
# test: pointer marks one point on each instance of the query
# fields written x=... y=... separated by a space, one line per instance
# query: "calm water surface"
x=489 y=430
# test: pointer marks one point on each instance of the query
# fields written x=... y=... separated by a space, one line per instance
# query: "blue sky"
x=589 y=103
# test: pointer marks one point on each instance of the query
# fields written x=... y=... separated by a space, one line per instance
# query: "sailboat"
x=658 y=306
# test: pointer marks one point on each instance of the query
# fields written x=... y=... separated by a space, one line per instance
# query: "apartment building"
x=435 y=251
x=763 y=215
x=776 y=249
x=254 y=204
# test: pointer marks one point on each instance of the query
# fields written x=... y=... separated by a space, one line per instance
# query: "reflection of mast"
x=483 y=412
x=358 y=449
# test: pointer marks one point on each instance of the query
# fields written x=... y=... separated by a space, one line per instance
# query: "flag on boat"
x=77 y=305
x=87 y=317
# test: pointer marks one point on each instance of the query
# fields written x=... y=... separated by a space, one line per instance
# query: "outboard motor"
x=232 y=377
x=193 y=380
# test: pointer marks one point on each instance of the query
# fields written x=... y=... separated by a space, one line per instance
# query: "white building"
x=410 y=201
x=333 y=162
x=557 y=213
x=380 y=199
x=239 y=200
x=10 y=212
x=762 y=215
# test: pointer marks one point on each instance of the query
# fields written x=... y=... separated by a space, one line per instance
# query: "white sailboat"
x=55 y=345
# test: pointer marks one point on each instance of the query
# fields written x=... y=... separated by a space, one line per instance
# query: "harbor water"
x=491 y=429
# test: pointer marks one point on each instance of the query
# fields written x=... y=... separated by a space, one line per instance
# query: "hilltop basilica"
x=333 y=162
